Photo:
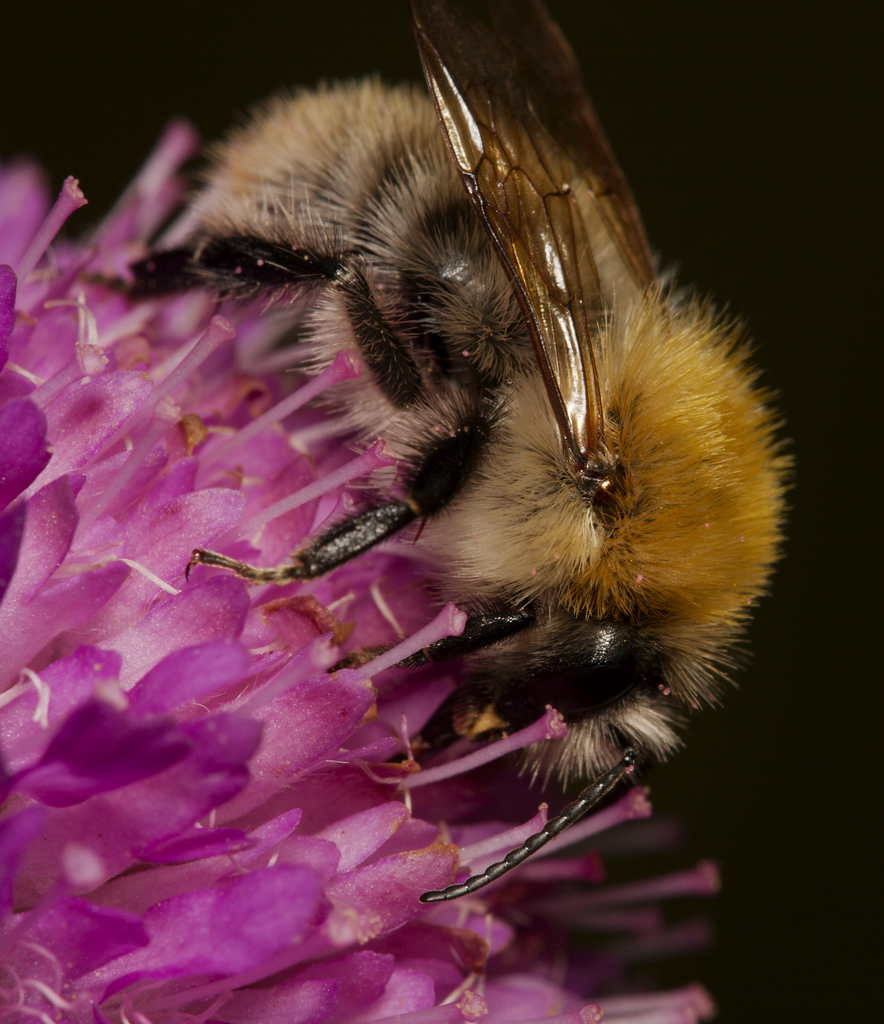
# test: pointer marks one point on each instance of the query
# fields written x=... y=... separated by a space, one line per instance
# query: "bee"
x=597 y=470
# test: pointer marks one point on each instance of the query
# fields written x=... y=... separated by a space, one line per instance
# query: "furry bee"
x=596 y=466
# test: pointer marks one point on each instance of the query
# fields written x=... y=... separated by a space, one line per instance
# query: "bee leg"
x=385 y=354
x=162 y=273
x=439 y=476
x=337 y=545
x=243 y=266
x=590 y=796
x=480 y=631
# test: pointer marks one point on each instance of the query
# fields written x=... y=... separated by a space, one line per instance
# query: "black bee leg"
x=163 y=273
x=243 y=266
x=385 y=354
x=448 y=722
x=572 y=813
x=440 y=475
x=337 y=545
x=480 y=631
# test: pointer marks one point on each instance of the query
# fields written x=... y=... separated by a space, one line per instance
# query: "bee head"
x=617 y=684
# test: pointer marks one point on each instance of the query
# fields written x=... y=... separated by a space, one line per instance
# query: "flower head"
x=203 y=821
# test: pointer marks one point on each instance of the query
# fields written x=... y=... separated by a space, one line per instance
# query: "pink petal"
x=87 y=414
x=384 y=895
x=188 y=674
x=225 y=930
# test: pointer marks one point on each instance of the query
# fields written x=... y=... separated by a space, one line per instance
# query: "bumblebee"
x=596 y=468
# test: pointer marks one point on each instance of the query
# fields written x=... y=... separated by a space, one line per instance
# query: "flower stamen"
x=70 y=198
x=551 y=725
x=41 y=711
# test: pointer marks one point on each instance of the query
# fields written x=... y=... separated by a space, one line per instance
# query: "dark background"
x=745 y=130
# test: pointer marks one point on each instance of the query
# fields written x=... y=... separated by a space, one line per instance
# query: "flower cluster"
x=202 y=821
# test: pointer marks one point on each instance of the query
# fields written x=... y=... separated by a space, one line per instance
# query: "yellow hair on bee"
x=694 y=525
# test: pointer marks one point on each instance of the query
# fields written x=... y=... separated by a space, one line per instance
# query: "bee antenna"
x=572 y=813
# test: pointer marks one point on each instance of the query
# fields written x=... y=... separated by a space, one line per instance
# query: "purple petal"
x=105 y=472
x=123 y=823
x=14 y=385
x=164 y=536
x=223 y=741
x=201 y=612
x=290 y=1002
x=46 y=346
x=384 y=895
x=70 y=681
x=407 y=991
x=7 y=309
x=99 y=749
x=177 y=483
x=526 y=997
x=12 y=529
x=359 y=835
x=361 y=977
x=31 y=615
x=30 y=625
x=446 y=954
x=321 y=856
x=281 y=535
x=353 y=792
x=294 y=621
x=224 y=930
x=187 y=675
x=197 y=844
x=87 y=414
x=84 y=937
x=49 y=528
x=302 y=726
x=413 y=834
x=24 y=450
x=271 y=834
x=16 y=833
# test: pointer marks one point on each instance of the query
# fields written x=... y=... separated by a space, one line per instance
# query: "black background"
x=746 y=131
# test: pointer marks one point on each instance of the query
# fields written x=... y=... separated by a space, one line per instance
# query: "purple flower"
x=200 y=820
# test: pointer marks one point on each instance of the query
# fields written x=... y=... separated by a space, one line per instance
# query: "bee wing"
x=540 y=174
